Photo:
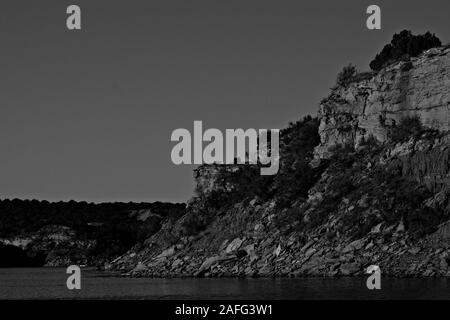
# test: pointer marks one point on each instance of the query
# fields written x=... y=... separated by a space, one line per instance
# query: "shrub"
x=192 y=225
x=407 y=128
x=296 y=176
x=403 y=46
x=390 y=198
x=347 y=75
x=341 y=148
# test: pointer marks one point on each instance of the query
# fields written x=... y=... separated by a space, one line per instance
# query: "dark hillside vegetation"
x=113 y=228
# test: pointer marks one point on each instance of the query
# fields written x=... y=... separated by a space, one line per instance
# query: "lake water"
x=50 y=283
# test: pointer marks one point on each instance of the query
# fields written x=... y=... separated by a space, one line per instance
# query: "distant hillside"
x=80 y=232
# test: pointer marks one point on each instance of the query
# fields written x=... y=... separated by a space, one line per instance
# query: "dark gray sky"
x=87 y=115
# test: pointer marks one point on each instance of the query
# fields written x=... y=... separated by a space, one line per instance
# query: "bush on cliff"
x=205 y=207
x=403 y=46
x=409 y=127
x=346 y=76
x=192 y=225
x=294 y=178
x=382 y=195
x=361 y=196
x=401 y=198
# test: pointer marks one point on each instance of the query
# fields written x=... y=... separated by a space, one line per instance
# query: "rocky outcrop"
x=370 y=106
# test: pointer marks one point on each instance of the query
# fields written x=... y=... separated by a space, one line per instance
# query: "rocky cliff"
x=419 y=86
x=384 y=203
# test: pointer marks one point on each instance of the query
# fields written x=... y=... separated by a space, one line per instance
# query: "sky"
x=88 y=114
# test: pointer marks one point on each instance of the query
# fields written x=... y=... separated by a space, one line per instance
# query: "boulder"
x=140 y=267
x=166 y=253
x=234 y=245
x=277 y=251
x=355 y=245
x=349 y=269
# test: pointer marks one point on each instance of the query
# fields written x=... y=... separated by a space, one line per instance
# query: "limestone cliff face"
x=370 y=106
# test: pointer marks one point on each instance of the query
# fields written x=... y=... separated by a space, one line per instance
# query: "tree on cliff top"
x=347 y=75
x=404 y=45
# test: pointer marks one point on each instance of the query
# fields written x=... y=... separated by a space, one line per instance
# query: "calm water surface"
x=50 y=283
